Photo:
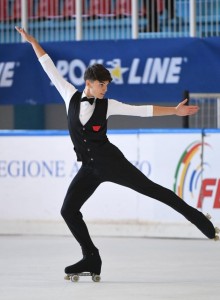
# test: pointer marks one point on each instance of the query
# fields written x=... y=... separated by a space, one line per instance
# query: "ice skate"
x=217 y=230
x=90 y=265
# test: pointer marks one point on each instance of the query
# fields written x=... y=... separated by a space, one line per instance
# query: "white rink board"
x=35 y=171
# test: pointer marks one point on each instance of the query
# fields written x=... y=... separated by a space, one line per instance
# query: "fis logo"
x=7 y=70
x=190 y=180
x=155 y=70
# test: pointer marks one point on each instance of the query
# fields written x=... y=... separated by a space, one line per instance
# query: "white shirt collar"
x=84 y=95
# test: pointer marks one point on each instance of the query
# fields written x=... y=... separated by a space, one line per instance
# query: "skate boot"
x=217 y=230
x=203 y=223
x=90 y=265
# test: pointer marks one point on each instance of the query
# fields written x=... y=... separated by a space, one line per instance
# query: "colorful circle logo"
x=190 y=169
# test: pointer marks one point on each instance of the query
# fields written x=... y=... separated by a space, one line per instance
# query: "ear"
x=88 y=83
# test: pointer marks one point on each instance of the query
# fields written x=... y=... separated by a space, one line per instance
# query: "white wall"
x=35 y=171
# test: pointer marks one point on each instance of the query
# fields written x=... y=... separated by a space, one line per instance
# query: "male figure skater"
x=87 y=113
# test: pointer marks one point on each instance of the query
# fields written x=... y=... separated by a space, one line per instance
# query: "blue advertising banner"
x=144 y=71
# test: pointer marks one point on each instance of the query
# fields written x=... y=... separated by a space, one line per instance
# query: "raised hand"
x=27 y=37
x=30 y=39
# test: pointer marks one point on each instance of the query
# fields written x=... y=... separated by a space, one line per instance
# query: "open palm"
x=185 y=110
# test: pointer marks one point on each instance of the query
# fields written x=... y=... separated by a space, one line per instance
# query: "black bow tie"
x=90 y=100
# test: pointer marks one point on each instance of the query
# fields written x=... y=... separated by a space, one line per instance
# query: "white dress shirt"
x=67 y=90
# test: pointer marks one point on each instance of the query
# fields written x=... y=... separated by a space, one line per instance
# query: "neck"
x=87 y=92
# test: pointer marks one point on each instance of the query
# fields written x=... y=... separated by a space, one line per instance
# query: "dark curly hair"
x=97 y=72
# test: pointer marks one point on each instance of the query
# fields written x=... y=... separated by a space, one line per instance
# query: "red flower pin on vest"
x=96 y=127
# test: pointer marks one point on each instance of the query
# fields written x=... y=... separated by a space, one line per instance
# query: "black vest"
x=87 y=138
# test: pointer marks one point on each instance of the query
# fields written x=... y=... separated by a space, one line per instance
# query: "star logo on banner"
x=116 y=70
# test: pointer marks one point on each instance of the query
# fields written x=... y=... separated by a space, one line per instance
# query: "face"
x=96 y=88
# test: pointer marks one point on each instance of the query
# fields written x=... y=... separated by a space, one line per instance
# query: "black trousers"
x=117 y=169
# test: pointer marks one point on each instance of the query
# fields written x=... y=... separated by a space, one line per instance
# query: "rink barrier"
x=30 y=202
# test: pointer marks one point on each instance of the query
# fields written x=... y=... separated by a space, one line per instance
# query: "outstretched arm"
x=118 y=108
x=65 y=88
x=180 y=110
x=30 y=39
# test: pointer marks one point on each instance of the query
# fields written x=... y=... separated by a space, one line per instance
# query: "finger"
x=194 y=107
x=184 y=101
x=19 y=29
x=193 y=111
